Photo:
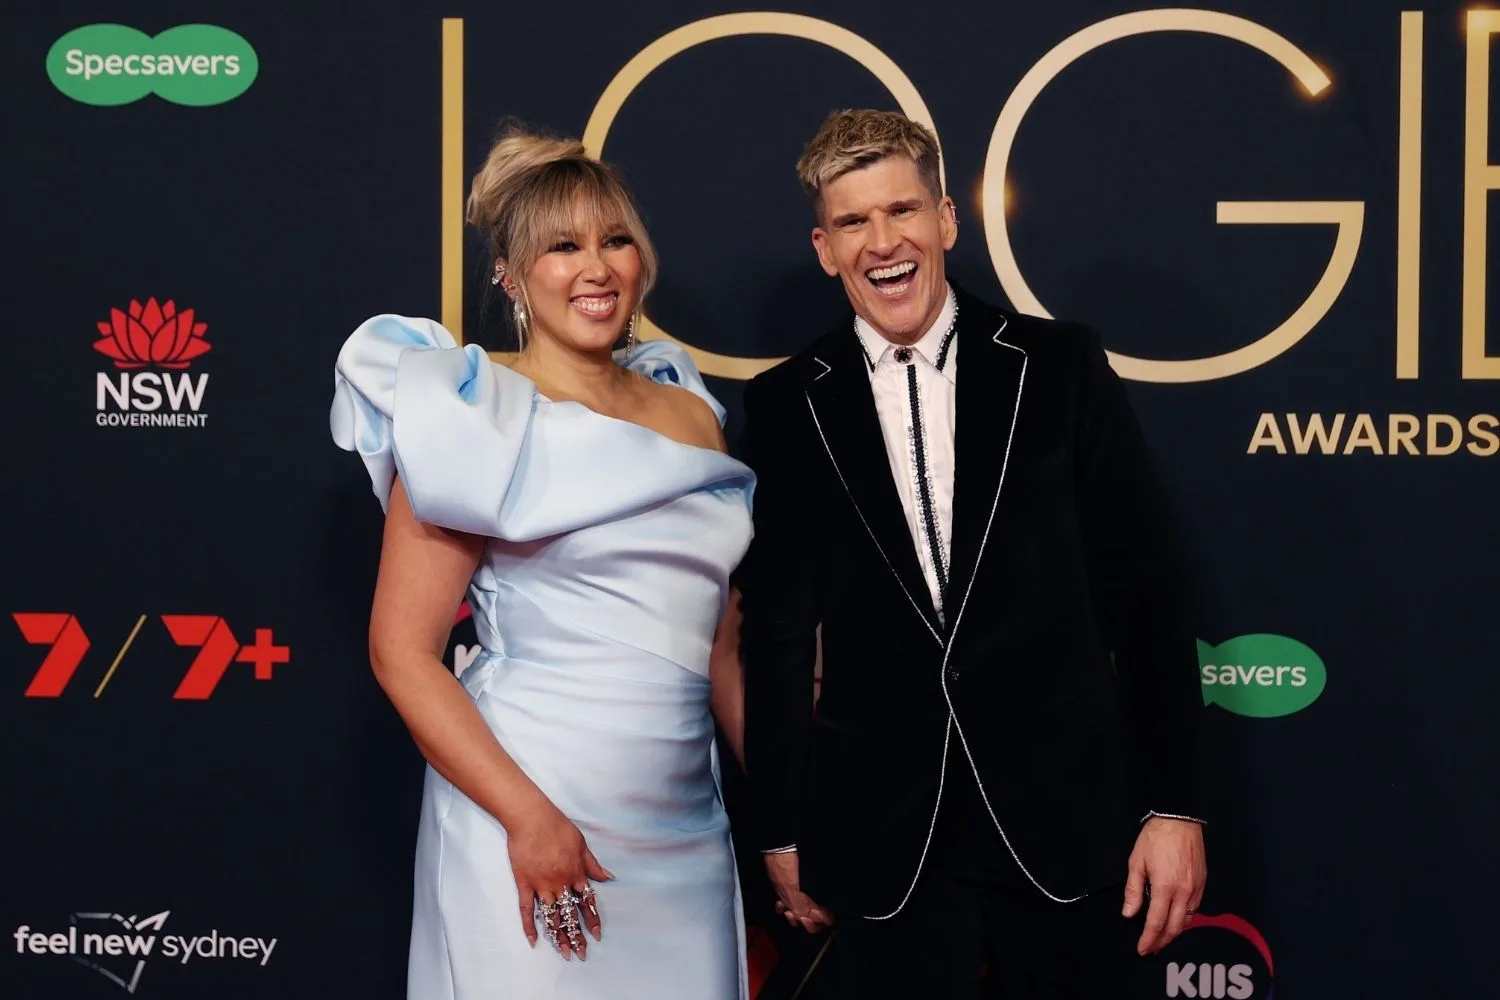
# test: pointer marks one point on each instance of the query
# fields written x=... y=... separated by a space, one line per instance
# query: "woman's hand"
x=553 y=868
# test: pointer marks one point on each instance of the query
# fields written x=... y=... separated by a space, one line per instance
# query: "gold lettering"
x=641 y=65
x=1480 y=178
x=1403 y=427
x=1479 y=426
x=1267 y=435
x=451 y=267
x=1456 y=430
x=644 y=62
x=1315 y=433
x=1409 y=199
x=1348 y=216
x=1328 y=440
x=1363 y=436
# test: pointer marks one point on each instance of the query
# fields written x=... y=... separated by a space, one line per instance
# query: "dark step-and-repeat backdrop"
x=1278 y=212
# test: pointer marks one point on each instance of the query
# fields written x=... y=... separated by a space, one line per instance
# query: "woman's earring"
x=519 y=312
x=630 y=335
x=499 y=274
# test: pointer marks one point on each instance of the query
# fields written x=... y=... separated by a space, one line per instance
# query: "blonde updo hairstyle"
x=525 y=194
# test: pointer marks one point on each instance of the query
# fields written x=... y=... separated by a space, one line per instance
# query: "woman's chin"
x=594 y=341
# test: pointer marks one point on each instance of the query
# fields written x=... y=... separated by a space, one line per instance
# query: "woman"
x=583 y=499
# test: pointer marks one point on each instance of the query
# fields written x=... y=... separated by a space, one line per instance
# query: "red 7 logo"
x=219 y=648
x=68 y=642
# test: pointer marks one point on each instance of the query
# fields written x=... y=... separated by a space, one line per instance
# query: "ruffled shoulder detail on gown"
x=666 y=362
x=479 y=450
x=447 y=420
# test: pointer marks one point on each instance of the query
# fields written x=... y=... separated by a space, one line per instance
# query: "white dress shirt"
x=920 y=444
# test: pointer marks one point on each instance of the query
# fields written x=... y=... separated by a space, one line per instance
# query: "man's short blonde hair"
x=851 y=139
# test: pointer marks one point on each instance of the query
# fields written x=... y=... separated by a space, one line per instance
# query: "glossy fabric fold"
x=596 y=603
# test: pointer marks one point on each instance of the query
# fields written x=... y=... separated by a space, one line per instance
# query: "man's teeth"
x=595 y=304
x=894 y=271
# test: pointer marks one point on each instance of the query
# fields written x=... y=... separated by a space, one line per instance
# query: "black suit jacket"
x=1066 y=677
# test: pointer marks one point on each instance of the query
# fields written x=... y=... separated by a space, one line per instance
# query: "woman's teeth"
x=597 y=304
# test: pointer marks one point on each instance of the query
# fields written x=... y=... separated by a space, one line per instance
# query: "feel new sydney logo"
x=1261 y=675
x=119 y=946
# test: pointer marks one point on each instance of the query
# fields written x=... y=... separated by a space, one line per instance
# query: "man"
x=1000 y=768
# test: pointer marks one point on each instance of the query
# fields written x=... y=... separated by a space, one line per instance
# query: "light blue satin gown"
x=596 y=603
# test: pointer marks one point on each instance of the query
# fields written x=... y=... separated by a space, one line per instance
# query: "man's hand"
x=1167 y=864
x=791 y=901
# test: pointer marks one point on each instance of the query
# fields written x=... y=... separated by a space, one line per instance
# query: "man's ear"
x=948 y=222
x=824 y=251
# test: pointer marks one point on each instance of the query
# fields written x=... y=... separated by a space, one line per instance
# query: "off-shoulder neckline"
x=538 y=395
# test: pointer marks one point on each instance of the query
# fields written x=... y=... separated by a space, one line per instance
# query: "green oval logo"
x=111 y=64
x=1260 y=676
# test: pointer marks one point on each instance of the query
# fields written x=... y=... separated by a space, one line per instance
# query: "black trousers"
x=975 y=927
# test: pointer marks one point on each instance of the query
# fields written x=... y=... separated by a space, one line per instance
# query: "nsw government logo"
x=1231 y=961
x=118 y=946
x=1261 y=675
x=153 y=347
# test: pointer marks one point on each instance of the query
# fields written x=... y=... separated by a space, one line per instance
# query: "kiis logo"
x=110 y=64
x=117 y=946
x=1260 y=676
x=151 y=336
x=217 y=649
x=1235 y=961
x=464 y=655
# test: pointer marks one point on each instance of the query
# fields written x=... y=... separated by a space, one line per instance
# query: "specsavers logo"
x=1260 y=676
x=118 y=946
x=193 y=64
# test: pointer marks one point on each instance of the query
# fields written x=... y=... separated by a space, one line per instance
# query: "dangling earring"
x=499 y=274
x=519 y=312
x=630 y=335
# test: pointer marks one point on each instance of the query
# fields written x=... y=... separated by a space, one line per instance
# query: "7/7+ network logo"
x=218 y=649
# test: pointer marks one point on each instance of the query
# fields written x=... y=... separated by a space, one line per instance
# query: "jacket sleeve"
x=780 y=620
x=1139 y=588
